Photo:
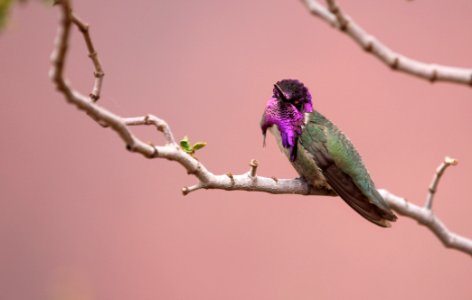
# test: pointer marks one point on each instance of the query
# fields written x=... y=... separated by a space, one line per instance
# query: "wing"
x=343 y=168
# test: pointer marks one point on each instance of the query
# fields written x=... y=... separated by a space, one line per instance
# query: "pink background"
x=81 y=216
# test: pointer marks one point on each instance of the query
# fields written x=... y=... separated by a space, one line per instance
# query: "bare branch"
x=334 y=9
x=448 y=161
x=427 y=218
x=160 y=125
x=97 y=86
x=206 y=179
x=432 y=72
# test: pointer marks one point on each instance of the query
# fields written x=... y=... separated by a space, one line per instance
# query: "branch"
x=427 y=218
x=97 y=86
x=207 y=180
x=437 y=176
x=432 y=72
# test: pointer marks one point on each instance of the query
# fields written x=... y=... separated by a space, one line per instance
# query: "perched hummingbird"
x=320 y=152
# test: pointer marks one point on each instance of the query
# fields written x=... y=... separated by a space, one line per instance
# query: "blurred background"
x=82 y=218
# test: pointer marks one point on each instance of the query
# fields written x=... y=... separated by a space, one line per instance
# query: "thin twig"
x=253 y=164
x=160 y=125
x=206 y=179
x=432 y=72
x=334 y=9
x=448 y=161
x=98 y=74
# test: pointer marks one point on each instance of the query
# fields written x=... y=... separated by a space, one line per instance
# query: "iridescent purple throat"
x=288 y=120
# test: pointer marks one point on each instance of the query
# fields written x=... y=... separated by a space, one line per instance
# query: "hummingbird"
x=321 y=154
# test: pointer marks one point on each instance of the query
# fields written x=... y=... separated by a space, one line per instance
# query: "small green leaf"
x=184 y=144
x=198 y=145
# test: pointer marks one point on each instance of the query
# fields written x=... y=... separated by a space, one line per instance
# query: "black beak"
x=264 y=132
x=281 y=92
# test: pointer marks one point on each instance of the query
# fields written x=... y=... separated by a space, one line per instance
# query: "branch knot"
x=253 y=164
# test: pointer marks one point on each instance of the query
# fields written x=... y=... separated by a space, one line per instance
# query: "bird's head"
x=286 y=110
x=294 y=92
